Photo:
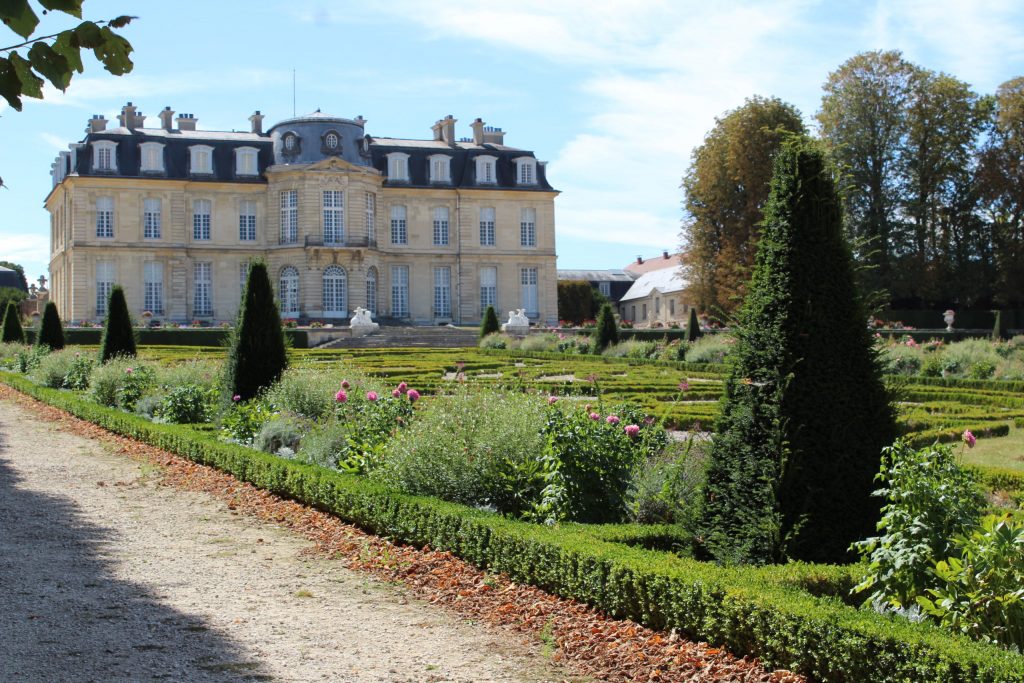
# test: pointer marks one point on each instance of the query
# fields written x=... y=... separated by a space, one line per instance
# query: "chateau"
x=421 y=231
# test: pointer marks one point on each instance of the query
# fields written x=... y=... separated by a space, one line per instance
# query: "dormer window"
x=486 y=170
x=152 y=157
x=104 y=156
x=331 y=141
x=398 y=167
x=440 y=168
x=526 y=171
x=201 y=159
x=291 y=143
x=245 y=161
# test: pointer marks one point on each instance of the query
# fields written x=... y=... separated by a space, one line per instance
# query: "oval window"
x=331 y=141
x=289 y=142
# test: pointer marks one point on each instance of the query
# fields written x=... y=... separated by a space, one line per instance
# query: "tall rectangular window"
x=153 y=287
x=371 y=218
x=334 y=217
x=151 y=210
x=105 y=217
x=201 y=209
x=442 y=292
x=488 y=288
x=104 y=157
x=202 y=288
x=487 y=227
x=399 y=227
x=104 y=283
x=289 y=217
x=528 y=228
x=528 y=290
x=247 y=220
x=441 y=226
x=400 y=291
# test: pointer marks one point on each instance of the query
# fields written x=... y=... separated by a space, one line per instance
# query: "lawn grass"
x=1006 y=451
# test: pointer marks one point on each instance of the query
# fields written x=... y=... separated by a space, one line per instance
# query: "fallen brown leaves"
x=601 y=647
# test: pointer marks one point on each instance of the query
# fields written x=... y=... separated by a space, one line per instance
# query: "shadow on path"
x=64 y=616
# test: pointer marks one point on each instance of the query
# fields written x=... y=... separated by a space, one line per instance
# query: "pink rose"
x=612 y=419
x=631 y=430
x=236 y=398
x=129 y=370
x=402 y=387
x=595 y=416
x=969 y=438
x=396 y=393
x=413 y=395
x=552 y=399
x=371 y=396
x=341 y=396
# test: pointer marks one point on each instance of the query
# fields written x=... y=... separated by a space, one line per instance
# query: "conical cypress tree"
x=118 y=335
x=51 y=332
x=490 y=324
x=999 y=330
x=693 y=332
x=607 y=332
x=257 y=356
x=805 y=413
x=13 y=332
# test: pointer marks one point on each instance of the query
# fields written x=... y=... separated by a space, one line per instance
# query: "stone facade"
x=422 y=231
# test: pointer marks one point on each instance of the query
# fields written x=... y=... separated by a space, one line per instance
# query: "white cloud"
x=55 y=141
x=30 y=250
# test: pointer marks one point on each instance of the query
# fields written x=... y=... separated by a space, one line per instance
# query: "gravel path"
x=107 y=576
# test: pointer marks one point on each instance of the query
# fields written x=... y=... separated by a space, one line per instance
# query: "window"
x=441 y=226
x=151 y=213
x=104 y=156
x=105 y=217
x=201 y=219
x=528 y=228
x=485 y=170
x=331 y=141
x=657 y=306
x=398 y=167
x=488 y=288
x=104 y=283
x=526 y=171
x=245 y=161
x=202 y=288
x=644 y=312
x=289 y=216
x=632 y=314
x=153 y=287
x=371 y=218
x=371 y=290
x=400 y=291
x=201 y=159
x=528 y=290
x=442 y=292
x=247 y=221
x=288 y=291
x=335 y=284
x=152 y=157
x=605 y=288
x=334 y=216
x=672 y=307
x=399 y=229
x=291 y=143
x=487 y=227
x=440 y=168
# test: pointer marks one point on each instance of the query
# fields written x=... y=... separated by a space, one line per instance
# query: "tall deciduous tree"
x=805 y=414
x=726 y=186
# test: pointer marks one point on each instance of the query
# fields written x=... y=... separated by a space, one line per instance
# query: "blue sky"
x=613 y=94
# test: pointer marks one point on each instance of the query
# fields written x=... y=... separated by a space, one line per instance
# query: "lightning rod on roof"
x=293 y=92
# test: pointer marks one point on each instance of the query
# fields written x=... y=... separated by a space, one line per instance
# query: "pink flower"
x=595 y=416
x=403 y=387
x=969 y=438
x=396 y=393
x=632 y=430
x=129 y=370
x=371 y=396
x=236 y=398
x=552 y=399
x=345 y=384
x=413 y=395
x=341 y=396
x=684 y=385
x=561 y=336
x=612 y=419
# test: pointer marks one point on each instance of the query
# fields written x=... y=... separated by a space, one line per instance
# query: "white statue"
x=361 y=322
x=518 y=322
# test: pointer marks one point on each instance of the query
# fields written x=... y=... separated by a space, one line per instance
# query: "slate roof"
x=664 y=280
x=10 y=278
x=596 y=275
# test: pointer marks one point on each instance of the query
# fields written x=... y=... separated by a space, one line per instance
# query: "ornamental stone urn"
x=948 y=318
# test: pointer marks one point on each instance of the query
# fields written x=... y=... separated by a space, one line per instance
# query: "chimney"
x=436 y=128
x=167 y=119
x=639 y=260
x=494 y=136
x=97 y=124
x=664 y=254
x=448 y=129
x=130 y=118
x=478 y=131
x=257 y=122
x=186 y=122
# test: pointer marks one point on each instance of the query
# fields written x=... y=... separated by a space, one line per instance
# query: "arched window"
x=335 y=292
x=371 y=290
x=288 y=291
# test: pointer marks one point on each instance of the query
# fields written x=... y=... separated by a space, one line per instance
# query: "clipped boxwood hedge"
x=769 y=612
x=166 y=336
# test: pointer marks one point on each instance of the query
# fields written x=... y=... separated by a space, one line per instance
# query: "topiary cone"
x=257 y=356
x=13 y=332
x=118 y=334
x=51 y=331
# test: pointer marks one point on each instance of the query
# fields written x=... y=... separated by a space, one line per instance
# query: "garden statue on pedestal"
x=361 y=322
x=948 y=318
x=518 y=323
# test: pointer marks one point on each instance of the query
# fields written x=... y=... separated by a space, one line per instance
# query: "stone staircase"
x=393 y=336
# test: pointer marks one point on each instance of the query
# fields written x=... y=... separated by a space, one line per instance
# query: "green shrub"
x=805 y=413
x=149 y=406
x=900 y=359
x=930 y=499
x=200 y=372
x=576 y=301
x=280 y=436
x=53 y=368
x=982 y=369
x=188 y=403
x=256 y=356
x=78 y=375
x=13 y=332
x=539 y=342
x=490 y=324
x=711 y=348
x=118 y=335
x=497 y=340
x=693 y=331
x=606 y=332
x=121 y=382
x=665 y=489
x=327 y=446
x=306 y=393
x=51 y=332
x=243 y=421
x=631 y=348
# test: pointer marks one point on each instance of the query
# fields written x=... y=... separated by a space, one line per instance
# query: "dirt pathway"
x=106 y=576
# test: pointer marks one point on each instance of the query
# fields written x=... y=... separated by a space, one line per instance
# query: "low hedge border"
x=166 y=336
x=766 y=612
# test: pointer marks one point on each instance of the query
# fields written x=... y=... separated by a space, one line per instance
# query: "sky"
x=613 y=94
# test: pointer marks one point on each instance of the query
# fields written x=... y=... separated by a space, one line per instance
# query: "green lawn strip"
x=769 y=612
